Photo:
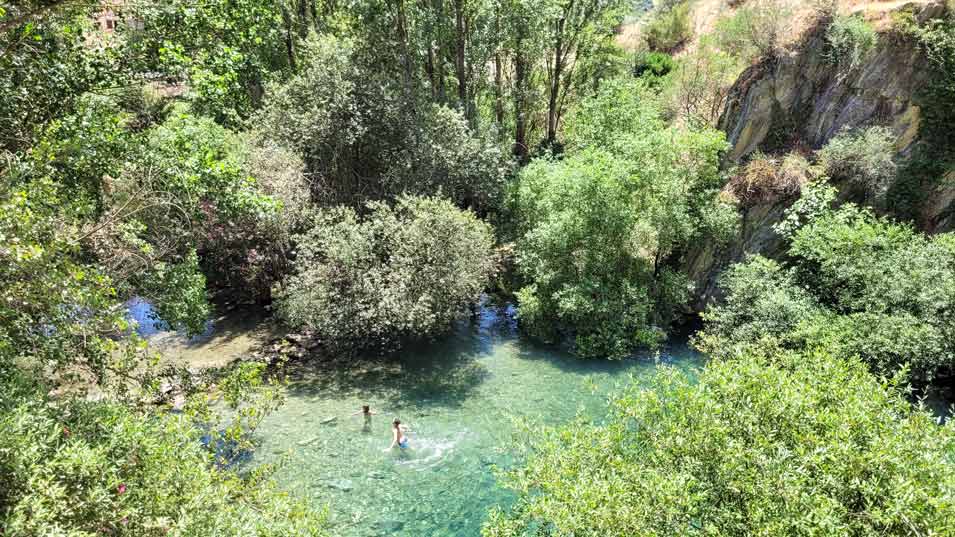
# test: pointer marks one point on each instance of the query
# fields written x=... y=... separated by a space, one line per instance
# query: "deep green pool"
x=459 y=396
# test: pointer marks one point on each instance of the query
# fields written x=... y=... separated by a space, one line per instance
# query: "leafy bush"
x=770 y=443
x=400 y=272
x=247 y=254
x=932 y=158
x=861 y=285
x=763 y=300
x=863 y=158
x=190 y=181
x=668 y=27
x=755 y=30
x=850 y=38
x=71 y=467
x=598 y=229
x=652 y=66
x=44 y=283
x=224 y=50
x=576 y=251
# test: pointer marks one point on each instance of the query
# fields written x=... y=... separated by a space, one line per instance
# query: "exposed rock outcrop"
x=803 y=99
x=706 y=262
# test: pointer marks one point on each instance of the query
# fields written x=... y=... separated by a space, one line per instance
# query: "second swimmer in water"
x=367 y=413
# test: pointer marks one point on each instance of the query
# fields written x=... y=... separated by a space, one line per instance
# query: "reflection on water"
x=458 y=397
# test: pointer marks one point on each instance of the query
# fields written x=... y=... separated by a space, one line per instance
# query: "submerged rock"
x=307 y=442
x=344 y=485
x=390 y=526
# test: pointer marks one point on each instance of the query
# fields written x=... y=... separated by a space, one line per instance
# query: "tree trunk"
x=289 y=42
x=499 y=91
x=498 y=77
x=402 y=34
x=460 y=61
x=314 y=11
x=520 y=120
x=302 y=18
x=553 y=85
x=438 y=90
x=429 y=69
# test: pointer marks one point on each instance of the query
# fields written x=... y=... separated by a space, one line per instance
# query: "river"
x=460 y=397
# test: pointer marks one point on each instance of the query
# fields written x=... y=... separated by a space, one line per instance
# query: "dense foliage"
x=932 y=158
x=77 y=468
x=399 y=272
x=850 y=38
x=364 y=141
x=861 y=285
x=768 y=443
x=669 y=26
x=348 y=158
x=600 y=229
x=226 y=50
x=109 y=193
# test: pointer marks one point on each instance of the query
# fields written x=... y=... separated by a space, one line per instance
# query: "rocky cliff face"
x=803 y=99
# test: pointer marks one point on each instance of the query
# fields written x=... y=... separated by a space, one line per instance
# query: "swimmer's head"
x=365 y=409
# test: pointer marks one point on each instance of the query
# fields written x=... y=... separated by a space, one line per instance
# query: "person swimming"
x=367 y=413
x=399 y=438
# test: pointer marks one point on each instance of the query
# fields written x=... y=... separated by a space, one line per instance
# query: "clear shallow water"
x=229 y=335
x=459 y=397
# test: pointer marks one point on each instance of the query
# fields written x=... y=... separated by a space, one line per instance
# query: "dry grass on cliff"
x=766 y=179
x=800 y=14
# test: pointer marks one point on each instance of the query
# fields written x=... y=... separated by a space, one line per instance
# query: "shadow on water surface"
x=443 y=372
x=440 y=381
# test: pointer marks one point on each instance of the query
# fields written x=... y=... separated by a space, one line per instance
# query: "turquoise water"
x=459 y=396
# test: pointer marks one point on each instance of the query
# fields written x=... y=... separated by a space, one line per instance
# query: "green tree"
x=763 y=300
x=598 y=231
x=864 y=159
x=71 y=467
x=769 y=443
x=363 y=142
x=46 y=66
x=224 y=50
x=577 y=29
x=669 y=26
x=400 y=272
